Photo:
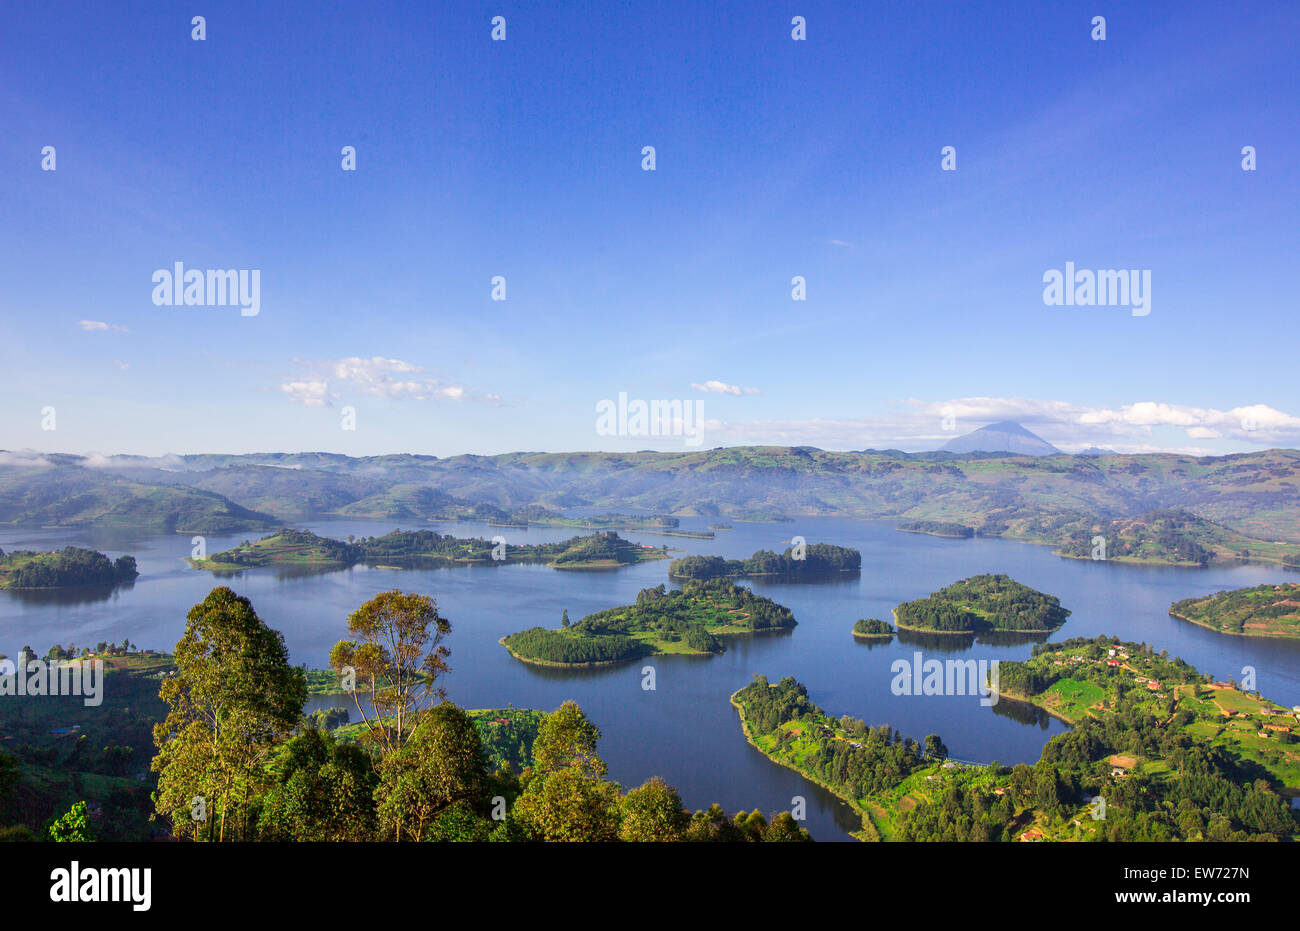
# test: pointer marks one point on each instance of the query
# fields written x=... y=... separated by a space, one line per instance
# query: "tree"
x=398 y=654
x=569 y=805
x=785 y=829
x=564 y=618
x=233 y=698
x=934 y=747
x=322 y=791
x=441 y=765
x=567 y=739
x=653 y=812
x=71 y=826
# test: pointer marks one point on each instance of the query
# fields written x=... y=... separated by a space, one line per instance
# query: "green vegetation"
x=425 y=549
x=983 y=602
x=817 y=562
x=845 y=756
x=62 y=751
x=1173 y=537
x=938 y=528
x=417 y=768
x=60 y=568
x=872 y=629
x=1263 y=611
x=691 y=619
x=1157 y=753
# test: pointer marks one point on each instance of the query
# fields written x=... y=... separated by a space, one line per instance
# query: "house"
x=1112 y=662
x=1118 y=772
x=1153 y=686
x=1031 y=835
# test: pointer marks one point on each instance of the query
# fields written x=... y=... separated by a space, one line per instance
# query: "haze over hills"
x=1006 y=436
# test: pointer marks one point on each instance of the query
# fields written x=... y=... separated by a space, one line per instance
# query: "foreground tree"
x=322 y=791
x=397 y=656
x=439 y=767
x=653 y=812
x=233 y=698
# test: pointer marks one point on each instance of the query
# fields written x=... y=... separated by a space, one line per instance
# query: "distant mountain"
x=1003 y=437
x=1096 y=451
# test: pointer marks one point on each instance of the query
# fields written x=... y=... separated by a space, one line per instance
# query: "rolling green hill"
x=1041 y=499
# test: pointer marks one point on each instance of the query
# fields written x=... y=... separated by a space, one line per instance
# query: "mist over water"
x=685 y=730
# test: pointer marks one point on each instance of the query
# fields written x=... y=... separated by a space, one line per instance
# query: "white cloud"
x=99 y=326
x=377 y=377
x=713 y=386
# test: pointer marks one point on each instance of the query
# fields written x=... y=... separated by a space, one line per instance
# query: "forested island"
x=938 y=528
x=69 y=566
x=689 y=620
x=1157 y=753
x=1266 y=610
x=818 y=562
x=422 y=549
x=872 y=629
x=983 y=603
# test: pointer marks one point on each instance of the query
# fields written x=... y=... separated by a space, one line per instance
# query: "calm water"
x=685 y=730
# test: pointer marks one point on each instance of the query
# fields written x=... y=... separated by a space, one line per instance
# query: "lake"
x=685 y=730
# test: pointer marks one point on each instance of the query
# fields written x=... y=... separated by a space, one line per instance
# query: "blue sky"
x=522 y=158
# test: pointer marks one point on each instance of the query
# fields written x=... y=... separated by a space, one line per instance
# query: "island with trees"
x=983 y=603
x=811 y=563
x=1268 y=610
x=938 y=528
x=70 y=566
x=425 y=549
x=872 y=629
x=691 y=620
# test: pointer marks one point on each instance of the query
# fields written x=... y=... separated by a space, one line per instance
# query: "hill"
x=1263 y=611
x=1040 y=499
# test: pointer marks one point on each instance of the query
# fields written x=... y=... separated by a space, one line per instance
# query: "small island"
x=983 y=603
x=872 y=629
x=1263 y=611
x=938 y=528
x=817 y=562
x=425 y=549
x=70 y=566
x=690 y=620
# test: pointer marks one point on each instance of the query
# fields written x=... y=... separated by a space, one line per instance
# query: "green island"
x=69 y=566
x=938 y=528
x=423 y=549
x=1157 y=752
x=689 y=620
x=819 y=561
x=1266 y=610
x=982 y=603
x=1169 y=537
x=872 y=629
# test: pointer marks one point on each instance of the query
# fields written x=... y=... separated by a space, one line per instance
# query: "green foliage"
x=1265 y=610
x=983 y=602
x=73 y=826
x=71 y=565
x=821 y=561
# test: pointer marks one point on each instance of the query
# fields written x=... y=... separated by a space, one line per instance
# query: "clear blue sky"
x=522 y=158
